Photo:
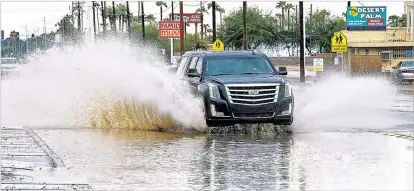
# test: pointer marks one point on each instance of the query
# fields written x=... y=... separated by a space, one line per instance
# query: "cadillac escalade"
x=238 y=87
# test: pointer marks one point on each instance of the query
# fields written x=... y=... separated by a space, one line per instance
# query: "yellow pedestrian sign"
x=218 y=45
x=339 y=43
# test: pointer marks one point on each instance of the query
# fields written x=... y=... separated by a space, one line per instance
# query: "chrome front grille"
x=252 y=94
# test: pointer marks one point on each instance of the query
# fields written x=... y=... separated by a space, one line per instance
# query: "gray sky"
x=18 y=15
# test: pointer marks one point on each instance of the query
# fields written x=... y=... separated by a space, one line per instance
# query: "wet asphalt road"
x=310 y=160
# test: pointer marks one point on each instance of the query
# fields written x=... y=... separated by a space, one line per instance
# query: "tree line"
x=273 y=29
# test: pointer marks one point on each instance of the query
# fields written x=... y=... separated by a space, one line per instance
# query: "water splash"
x=104 y=81
x=343 y=103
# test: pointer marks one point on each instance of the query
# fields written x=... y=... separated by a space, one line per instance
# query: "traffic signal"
x=2 y=34
x=17 y=35
x=33 y=35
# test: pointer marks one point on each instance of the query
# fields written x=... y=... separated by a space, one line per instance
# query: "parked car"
x=403 y=72
x=9 y=65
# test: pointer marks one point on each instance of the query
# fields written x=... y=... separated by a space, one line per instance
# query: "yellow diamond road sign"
x=339 y=43
x=218 y=45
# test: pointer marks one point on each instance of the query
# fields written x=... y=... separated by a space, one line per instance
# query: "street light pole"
x=244 y=25
x=142 y=20
x=302 y=42
x=181 y=29
x=213 y=13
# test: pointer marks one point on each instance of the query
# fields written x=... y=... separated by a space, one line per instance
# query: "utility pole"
x=128 y=20
x=182 y=29
x=113 y=16
x=302 y=42
x=172 y=39
x=142 y=20
x=79 y=18
x=244 y=25
x=94 y=21
x=213 y=11
x=103 y=10
x=97 y=16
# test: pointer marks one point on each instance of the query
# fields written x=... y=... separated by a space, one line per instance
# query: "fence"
x=402 y=53
x=365 y=64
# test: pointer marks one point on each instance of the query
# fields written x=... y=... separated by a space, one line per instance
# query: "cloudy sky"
x=19 y=15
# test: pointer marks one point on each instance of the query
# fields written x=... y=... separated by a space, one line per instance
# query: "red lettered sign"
x=188 y=17
x=169 y=29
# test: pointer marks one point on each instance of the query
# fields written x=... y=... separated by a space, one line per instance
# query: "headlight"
x=213 y=90
x=288 y=90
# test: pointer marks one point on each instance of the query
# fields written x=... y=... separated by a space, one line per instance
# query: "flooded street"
x=82 y=125
x=161 y=161
x=324 y=159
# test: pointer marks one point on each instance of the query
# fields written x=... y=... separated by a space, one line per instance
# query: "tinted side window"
x=193 y=62
x=181 y=65
x=199 y=65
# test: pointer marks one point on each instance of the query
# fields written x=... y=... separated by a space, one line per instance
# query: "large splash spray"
x=104 y=84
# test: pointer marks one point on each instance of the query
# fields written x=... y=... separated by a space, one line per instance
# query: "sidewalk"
x=23 y=152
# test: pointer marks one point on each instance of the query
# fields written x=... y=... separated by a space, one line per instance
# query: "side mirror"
x=192 y=72
x=283 y=71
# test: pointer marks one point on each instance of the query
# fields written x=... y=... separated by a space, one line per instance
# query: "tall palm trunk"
x=288 y=19
x=103 y=12
x=97 y=17
x=113 y=15
x=120 y=23
x=283 y=19
x=94 y=20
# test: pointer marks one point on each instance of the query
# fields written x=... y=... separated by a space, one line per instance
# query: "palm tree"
x=150 y=18
x=201 y=10
x=161 y=4
x=110 y=15
x=121 y=13
x=281 y=5
x=114 y=15
x=288 y=7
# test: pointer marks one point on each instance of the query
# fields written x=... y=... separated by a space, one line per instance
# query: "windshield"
x=238 y=65
x=407 y=64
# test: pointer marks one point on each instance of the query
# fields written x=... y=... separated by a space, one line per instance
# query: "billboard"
x=188 y=17
x=366 y=18
x=169 y=29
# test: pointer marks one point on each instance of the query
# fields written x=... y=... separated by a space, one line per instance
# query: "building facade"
x=394 y=44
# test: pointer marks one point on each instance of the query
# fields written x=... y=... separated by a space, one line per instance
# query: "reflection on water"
x=129 y=160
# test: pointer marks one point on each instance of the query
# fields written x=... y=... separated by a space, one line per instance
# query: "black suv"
x=238 y=87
